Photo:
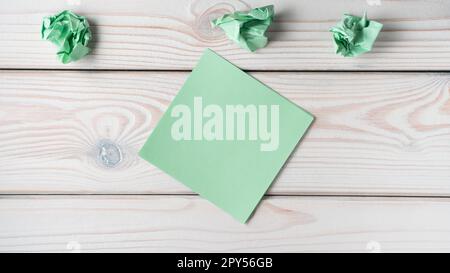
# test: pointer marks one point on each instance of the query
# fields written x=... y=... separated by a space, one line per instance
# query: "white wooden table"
x=373 y=174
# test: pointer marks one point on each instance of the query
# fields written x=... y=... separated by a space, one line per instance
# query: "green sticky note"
x=226 y=136
x=355 y=35
x=247 y=29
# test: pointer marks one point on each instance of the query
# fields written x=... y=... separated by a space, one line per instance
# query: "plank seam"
x=196 y=195
x=248 y=71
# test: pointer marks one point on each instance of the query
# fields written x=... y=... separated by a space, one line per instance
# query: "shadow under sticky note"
x=226 y=136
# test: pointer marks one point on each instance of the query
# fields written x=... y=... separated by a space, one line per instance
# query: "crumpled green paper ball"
x=247 y=29
x=70 y=33
x=354 y=35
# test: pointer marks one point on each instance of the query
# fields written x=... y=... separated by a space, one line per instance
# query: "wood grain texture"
x=191 y=224
x=375 y=133
x=171 y=34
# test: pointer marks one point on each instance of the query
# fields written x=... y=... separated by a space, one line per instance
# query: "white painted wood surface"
x=171 y=34
x=191 y=224
x=375 y=134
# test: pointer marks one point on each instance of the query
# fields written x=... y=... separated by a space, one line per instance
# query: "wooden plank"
x=138 y=34
x=190 y=224
x=375 y=134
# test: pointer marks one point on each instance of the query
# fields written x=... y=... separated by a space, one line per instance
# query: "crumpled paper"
x=70 y=33
x=247 y=29
x=354 y=35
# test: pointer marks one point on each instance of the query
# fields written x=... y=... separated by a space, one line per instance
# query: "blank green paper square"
x=226 y=136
